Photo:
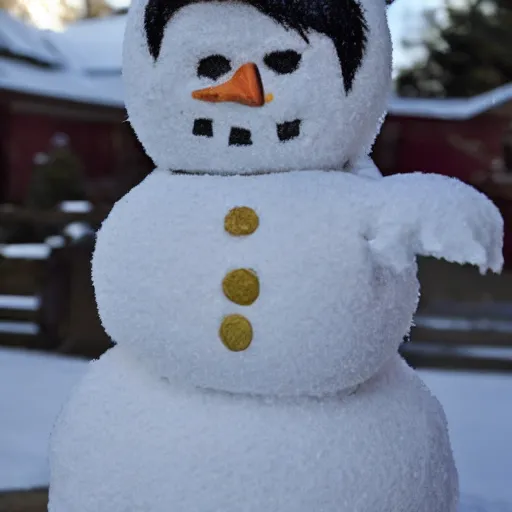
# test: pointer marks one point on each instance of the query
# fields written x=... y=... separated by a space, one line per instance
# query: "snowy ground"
x=35 y=386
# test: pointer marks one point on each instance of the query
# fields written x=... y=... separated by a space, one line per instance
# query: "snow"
x=77 y=230
x=81 y=64
x=437 y=348
x=25 y=251
x=25 y=302
x=60 y=83
x=34 y=387
x=20 y=39
x=27 y=328
x=451 y=108
x=96 y=44
x=476 y=406
x=75 y=206
x=480 y=420
x=463 y=324
x=55 y=241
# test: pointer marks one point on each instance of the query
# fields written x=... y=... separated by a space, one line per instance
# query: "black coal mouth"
x=288 y=130
x=239 y=136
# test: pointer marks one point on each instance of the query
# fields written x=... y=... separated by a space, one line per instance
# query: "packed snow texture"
x=36 y=386
x=330 y=249
x=207 y=451
x=335 y=127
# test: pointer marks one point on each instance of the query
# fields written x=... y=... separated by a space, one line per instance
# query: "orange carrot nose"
x=244 y=87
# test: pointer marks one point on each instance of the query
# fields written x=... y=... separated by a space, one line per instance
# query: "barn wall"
x=97 y=144
x=434 y=145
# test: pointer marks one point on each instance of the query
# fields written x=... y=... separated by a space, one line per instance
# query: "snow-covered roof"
x=451 y=108
x=60 y=83
x=81 y=64
x=95 y=44
x=86 y=60
x=17 y=38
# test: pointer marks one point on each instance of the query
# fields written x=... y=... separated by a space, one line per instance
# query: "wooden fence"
x=47 y=301
x=46 y=294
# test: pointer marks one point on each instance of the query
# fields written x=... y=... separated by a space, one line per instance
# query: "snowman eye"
x=283 y=62
x=213 y=66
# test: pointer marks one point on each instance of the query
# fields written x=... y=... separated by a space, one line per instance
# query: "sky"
x=404 y=19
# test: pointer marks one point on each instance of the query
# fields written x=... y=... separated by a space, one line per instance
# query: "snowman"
x=259 y=282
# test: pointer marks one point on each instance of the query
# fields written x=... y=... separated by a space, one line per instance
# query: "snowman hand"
x=433 y=215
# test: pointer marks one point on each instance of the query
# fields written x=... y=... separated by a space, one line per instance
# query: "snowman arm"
x=434 y=215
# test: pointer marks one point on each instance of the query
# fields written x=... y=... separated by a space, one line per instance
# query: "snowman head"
x=256 y=86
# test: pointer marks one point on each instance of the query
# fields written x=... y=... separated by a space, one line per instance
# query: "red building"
x=49 y=84
x=456 y=137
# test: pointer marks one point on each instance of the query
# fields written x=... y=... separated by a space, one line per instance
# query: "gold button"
x=241 y=221
x=236 y=333
x=241 y=286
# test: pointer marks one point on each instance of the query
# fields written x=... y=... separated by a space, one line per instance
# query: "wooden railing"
x=46 y=296
x=464 y=319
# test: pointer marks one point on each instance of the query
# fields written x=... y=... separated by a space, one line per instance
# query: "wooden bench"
x=22 y=274
x=464 y=320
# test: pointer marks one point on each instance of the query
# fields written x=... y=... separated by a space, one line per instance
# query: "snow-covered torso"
x=163 y=253
x=131 y=442
x=318 y=413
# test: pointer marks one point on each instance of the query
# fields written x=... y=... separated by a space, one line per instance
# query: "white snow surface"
x=25 y=251
x=61 y=83
x=26 y=328
x=55 y=241
x=94 y=45
x=35 y=387
x=208 y=451
x=335 y=127
x=75 y=206
x=77 y=230
x=464 y=324
x=451 y=108
x=344 y=268
x=21 y=302
x=18 y=38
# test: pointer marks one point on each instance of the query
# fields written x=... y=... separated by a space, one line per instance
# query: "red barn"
x=456 y=137
x=49 y=84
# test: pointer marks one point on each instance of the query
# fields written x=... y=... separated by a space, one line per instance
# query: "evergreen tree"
x=467 y=52
x=56 y=177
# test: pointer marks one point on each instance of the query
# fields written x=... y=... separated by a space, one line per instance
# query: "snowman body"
x=310 y=257
x=130 y=442
x=259 y=282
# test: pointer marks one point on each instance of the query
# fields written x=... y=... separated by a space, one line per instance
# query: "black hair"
x=343 y=21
